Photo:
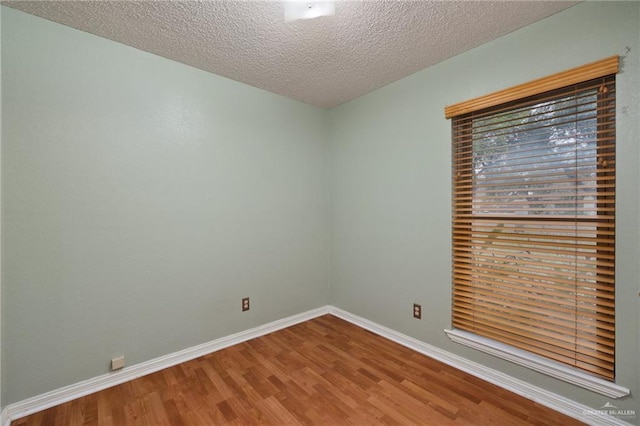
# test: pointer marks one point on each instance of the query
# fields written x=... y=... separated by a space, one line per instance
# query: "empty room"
x=320 y=212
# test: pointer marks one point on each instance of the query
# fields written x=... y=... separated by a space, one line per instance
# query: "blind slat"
x=603 y=320
x=605 y=275
x=538 y=253
x=533 y=326
x=542 y=300
x=562 y=276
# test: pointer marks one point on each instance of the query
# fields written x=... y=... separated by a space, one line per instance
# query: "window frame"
x=539 y=363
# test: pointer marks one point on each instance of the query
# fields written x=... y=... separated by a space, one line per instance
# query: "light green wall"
x=1 y=345
x=390 y=182
x=142 y=200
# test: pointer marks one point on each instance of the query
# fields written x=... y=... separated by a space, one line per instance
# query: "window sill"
x=538 y=363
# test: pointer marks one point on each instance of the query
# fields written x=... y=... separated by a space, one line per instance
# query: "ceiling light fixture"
x=301 y=9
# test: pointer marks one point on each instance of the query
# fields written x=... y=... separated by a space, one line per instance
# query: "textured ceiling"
x=324 y=62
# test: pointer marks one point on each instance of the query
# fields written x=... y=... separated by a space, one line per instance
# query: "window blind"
x=534 y=224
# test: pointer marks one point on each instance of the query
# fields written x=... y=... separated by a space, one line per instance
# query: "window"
x=533 y=224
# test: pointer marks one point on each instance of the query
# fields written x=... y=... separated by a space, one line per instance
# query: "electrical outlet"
x=117 y=363
x=245 y=304
x=417 y=311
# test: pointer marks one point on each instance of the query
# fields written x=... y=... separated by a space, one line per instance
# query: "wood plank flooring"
x=324 y=372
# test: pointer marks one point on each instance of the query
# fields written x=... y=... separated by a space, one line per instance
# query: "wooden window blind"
x=534 y=222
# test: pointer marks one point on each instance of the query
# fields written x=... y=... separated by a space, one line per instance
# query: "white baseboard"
x=58 y=396
x=534 y=393
x=543 y=397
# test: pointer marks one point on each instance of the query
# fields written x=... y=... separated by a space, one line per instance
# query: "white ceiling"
x=324 y=62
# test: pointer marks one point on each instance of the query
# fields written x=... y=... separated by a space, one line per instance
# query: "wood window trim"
x=576 y=75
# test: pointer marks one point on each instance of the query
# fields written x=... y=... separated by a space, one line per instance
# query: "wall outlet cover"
x=117 y=363
x=417 y=311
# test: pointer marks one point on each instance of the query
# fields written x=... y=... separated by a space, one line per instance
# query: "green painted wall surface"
x=142 y=200
x=390 y=183
x=1 y=345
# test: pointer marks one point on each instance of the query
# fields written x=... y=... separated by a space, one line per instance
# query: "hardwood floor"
x=324 y=371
